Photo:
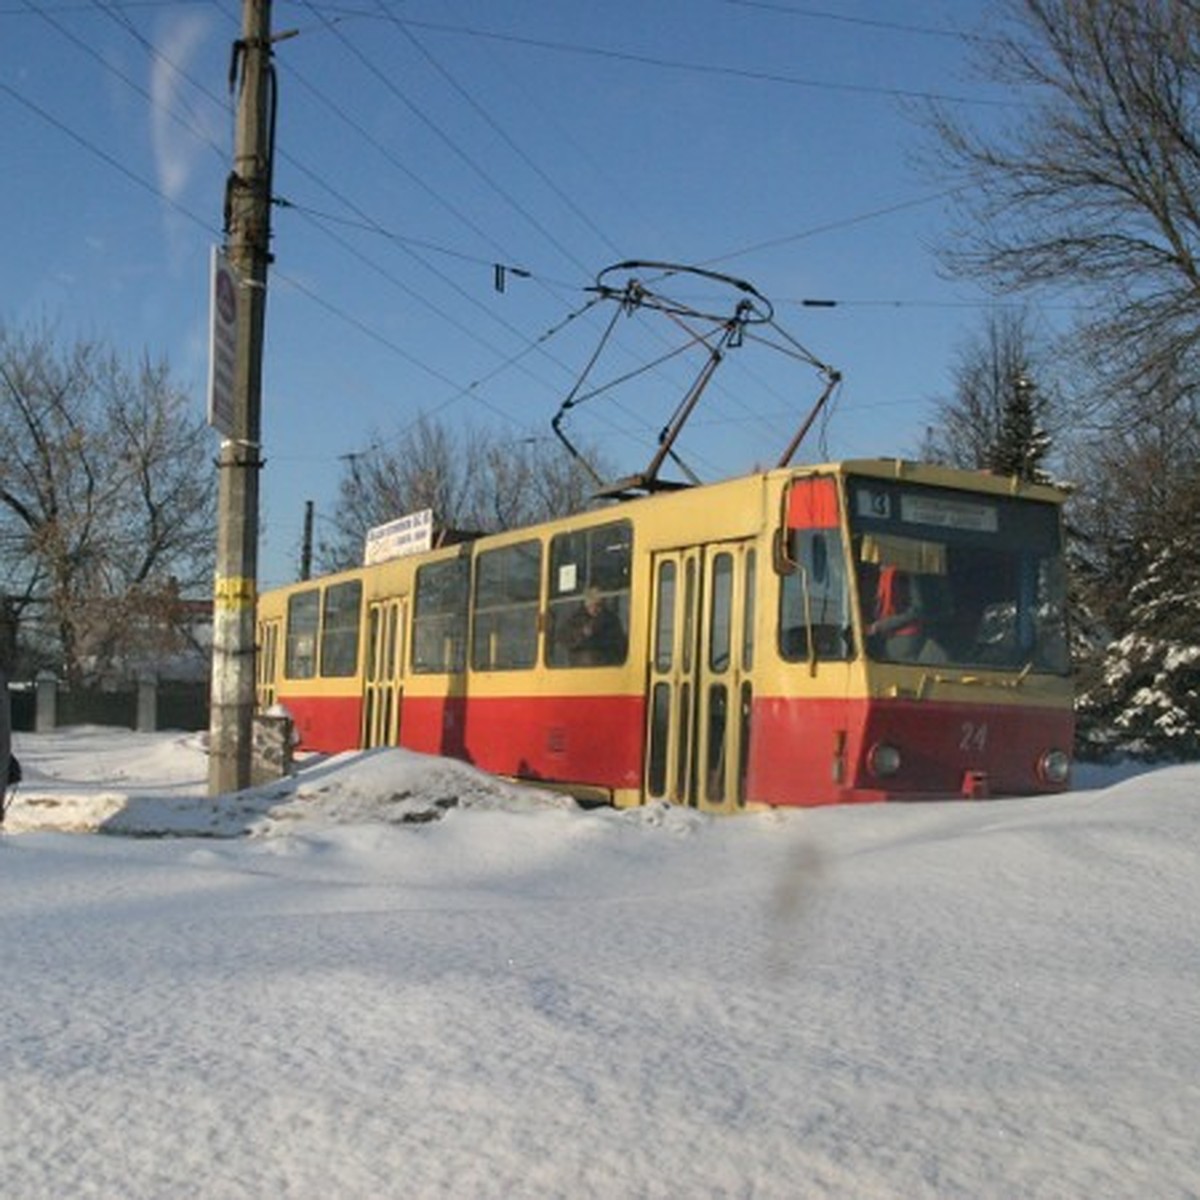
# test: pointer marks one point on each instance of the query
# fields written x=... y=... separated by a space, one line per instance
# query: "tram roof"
x=933 y=474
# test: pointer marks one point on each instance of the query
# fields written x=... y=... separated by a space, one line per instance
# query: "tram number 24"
x=974 y=737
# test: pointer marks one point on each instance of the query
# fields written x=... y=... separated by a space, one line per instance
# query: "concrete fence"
x=149 y=705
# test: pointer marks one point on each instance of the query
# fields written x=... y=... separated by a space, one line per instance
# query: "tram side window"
x=440 y=616
x=588 y=614
x=303 y=621
x=507 y=589
x=339 y=629
x=815 y=597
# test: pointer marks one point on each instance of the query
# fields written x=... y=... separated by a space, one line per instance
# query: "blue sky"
x=420 y=142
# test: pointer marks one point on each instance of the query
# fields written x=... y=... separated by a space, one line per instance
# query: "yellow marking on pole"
x=234 y=592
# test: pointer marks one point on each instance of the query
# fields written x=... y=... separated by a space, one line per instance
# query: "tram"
x=860 y=630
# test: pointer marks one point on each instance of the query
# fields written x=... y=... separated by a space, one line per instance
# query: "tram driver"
x=900 y=628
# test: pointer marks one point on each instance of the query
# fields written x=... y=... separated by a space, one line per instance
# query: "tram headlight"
x=1054 y=767
x=883 y=760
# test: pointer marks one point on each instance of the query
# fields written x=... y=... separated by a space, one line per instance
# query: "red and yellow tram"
x=862 y=630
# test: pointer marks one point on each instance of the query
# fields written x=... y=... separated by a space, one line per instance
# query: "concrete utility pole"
x=235 y=590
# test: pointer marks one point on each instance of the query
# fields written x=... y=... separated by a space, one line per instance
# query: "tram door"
x=700 y=690
x=383 y=679
x=267 y=663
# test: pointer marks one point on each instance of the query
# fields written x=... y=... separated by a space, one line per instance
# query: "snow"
x=394 y=976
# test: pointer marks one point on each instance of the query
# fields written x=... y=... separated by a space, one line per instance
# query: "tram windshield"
x=958 y=578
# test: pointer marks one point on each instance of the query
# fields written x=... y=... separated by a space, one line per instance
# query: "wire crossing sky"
x=451 y=176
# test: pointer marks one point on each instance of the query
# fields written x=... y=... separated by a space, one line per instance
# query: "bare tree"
x=106 y=501
x=1097 y=186
x=997 y=419
x=472 y=481
x=529 y=480
x=1096 y=190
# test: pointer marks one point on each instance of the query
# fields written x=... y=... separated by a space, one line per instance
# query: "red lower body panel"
x=801 y=752
x=817 y=751
x=576 y=739
x=326 y=723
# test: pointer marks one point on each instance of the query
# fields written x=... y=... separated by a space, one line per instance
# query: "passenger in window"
x=595 y=635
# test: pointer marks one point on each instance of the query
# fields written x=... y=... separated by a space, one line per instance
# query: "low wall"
x=147 y=706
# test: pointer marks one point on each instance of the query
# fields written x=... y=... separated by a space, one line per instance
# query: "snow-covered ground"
x=410 y=980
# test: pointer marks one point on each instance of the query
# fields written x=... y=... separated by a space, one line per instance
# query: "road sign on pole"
x=222 y=343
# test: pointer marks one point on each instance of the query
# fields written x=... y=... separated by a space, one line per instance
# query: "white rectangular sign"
x=949 y=514
x=405 y=535
x=223 y=309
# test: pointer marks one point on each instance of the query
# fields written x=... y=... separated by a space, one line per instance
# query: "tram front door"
x=700 y=685
x=383 y=678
